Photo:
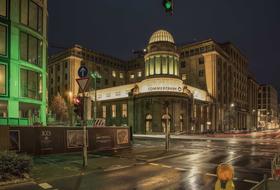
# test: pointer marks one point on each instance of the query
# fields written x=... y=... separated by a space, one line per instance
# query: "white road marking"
x=45 y=185
x=233 y=159
x=181 y=169
x=251 y=181
x=214 y=175
x=154 y=164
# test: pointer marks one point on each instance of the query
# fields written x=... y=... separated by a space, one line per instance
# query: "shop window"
x=3 y=40
x=149 y=119
x=124 y=110
x=114 y=111
x=104 y=112
x=2 y=79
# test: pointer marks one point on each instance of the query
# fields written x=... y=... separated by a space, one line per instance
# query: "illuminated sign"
x=161 y=85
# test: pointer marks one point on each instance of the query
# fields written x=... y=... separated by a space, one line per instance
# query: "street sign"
x=83 y=71
x=82 y=82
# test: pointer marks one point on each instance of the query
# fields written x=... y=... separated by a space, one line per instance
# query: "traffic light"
x=168 y=6
x=79 y=106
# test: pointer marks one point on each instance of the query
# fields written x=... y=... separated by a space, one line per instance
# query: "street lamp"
x=70 y=96
x=95 y=75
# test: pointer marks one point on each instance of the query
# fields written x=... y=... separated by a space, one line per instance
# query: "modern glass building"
x=23 y=57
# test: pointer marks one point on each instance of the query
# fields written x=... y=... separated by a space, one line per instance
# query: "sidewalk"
x=256 y=136
x=51 y=167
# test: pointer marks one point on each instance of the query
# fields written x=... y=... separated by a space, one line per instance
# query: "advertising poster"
x=75 y=138
x=46 y=140
x=14 y=140
x=122 y=136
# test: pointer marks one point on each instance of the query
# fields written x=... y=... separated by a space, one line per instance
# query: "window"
x=106 y=81
x=3 y=41
x=184 y=76
x=30 y=84
x=3 y=8
x=121 y=75
x=139 y=74
x=183 y=64
x=152 y=66
x=201 y=73
x=114 y=73
x=124 y=110
x=2 y=79
x=30 y=49
x=171 y=65
x=176 y=62
x=65 y=77
x=104 y=111
x=132 y=76
x=164 y=65
x=158 y=65
x=114 y=111
x=65 y=65
x=31 y=15
x=201 y=60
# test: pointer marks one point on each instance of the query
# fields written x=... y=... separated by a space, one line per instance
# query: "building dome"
x=161 y=36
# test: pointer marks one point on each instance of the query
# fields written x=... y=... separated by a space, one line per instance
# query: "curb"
x=16 y=182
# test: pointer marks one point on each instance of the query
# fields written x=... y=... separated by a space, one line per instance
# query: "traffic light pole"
x=85 y=159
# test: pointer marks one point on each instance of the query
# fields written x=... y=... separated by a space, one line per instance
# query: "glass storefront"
x=3 y=41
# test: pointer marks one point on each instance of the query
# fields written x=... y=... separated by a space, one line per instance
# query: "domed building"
x=161 y=98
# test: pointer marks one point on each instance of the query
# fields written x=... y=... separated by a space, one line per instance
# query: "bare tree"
x=59 y=108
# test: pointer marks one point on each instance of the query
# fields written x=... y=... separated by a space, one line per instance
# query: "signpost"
x=82 y=82
x=167 y=128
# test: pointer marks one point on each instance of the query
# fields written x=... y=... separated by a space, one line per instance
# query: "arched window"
x=149 y=119
x=181 y=123
x=163 y=122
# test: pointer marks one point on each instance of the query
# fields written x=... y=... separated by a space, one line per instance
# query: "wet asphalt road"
x=195 y=170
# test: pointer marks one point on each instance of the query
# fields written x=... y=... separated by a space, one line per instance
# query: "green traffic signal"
x=168 y=4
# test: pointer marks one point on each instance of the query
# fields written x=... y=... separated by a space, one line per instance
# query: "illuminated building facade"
x=267 y=107
x=23 y=52
x=205 y=85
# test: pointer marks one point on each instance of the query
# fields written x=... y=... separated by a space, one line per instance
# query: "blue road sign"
x=83 y=71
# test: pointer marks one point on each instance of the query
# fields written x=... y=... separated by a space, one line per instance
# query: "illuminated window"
x=114 y=73
x=147 y=67
x=164 y=65
x=158 y=65
x=176 y=66
x=152 y=66
x=184 y=76
x=132 y=76
x=30 y=49
x=3 y=41
x=114 y=111
x=30 y=84
x=139 y=74
x=171 y=65
x=124 y=110
x=121 y=75
x=104 y=111
x=2 y=79
x=3 y=8
x=31 y=15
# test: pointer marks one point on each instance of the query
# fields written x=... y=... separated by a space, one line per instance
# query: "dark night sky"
x=116 y=27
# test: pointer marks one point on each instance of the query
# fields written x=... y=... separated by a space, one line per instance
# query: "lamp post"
x=70 y=96
x=95 y=75
x=232 y=105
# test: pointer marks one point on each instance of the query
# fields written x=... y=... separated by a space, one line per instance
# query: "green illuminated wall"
x=21 y=109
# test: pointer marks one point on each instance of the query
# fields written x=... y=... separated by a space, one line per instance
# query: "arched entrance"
x=149 y=119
